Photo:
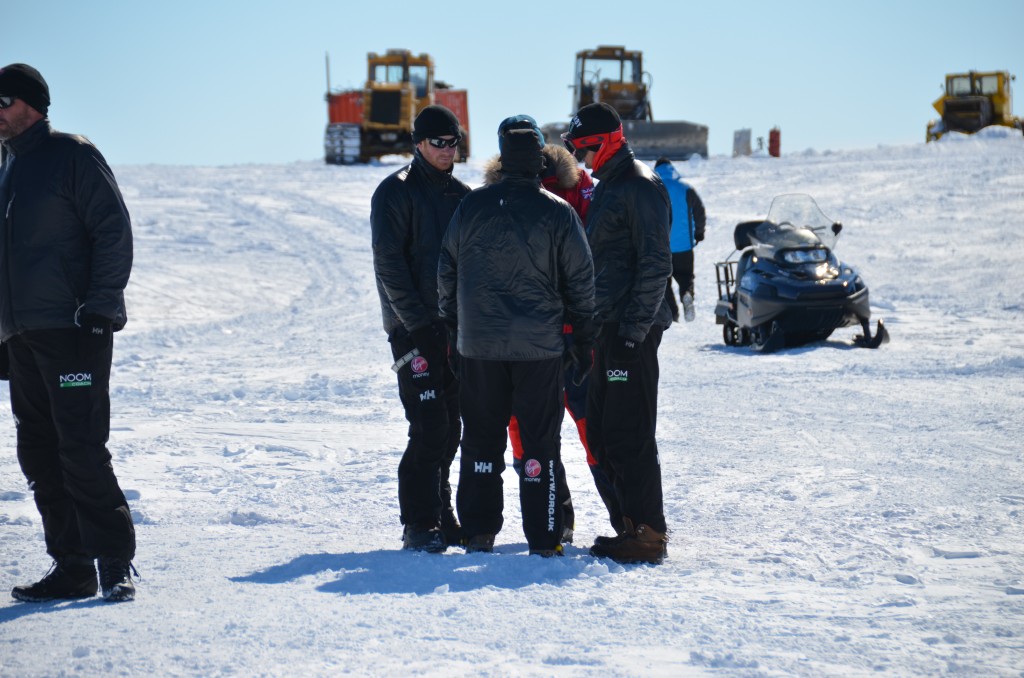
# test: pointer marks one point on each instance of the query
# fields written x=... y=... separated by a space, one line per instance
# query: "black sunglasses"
x=444 y=143
x=7 y=101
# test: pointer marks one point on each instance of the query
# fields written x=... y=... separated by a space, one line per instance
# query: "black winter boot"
x=116 y=579
x=70 y=577
x=427 y=538
x=450 y=526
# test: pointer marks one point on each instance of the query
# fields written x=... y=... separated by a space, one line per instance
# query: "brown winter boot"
x=639 y=545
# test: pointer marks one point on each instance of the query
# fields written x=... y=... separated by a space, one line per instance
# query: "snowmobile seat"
x=741 y=236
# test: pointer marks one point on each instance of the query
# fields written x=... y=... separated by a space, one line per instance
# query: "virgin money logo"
x=531 y=468
x=419 y=364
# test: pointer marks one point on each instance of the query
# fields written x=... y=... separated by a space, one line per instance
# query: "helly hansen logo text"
x=76 y=379
x=483 y=467
x=428 y=395
x=618 y=375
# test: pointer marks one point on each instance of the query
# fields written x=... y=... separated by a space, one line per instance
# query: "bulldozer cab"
x=972 y=101
x=966 y=85
x=388 y=71
x=398 y=85
x=615 y=76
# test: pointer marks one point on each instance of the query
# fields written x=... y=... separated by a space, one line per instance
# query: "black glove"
x=5 y=363
x=580 y=357
x=585 y=331
x=432 y=342
x=624 y=350
x=93 y=333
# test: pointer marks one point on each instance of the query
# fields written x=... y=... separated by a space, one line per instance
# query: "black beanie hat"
x=599 y=118
x=435 y=121
x=25 y=82
x=520 y=153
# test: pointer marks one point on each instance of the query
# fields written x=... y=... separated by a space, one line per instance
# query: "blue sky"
x=217 y=83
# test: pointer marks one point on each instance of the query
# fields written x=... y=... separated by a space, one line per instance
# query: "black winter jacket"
x=65 y=236
x=408 y=216
x=628 y=229
x=514 y=267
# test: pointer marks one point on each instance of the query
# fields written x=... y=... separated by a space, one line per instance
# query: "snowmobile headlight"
x=815 y=256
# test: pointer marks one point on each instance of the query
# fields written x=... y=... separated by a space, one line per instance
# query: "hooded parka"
x=562 y=176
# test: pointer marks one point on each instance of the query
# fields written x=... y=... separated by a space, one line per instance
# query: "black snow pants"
x=490 y=391
x=61 y=404
x=430 y=397
x=682 y=271
x=622 y=408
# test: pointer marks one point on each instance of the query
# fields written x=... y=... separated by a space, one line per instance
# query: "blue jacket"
x=688 y=214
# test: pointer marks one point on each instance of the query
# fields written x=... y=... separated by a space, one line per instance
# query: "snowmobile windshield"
x=785 y=235
x=796 y=222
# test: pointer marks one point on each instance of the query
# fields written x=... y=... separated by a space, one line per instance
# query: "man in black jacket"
x=515 y=266
x=628 y=229
x=65 y=255
x=409 y=213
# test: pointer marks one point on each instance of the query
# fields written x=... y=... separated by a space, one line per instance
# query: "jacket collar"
x=30 y=139
x=622 y=159
x=434 y=176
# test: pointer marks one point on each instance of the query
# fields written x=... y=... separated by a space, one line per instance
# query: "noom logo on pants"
x=618 y=375
x=76 y=379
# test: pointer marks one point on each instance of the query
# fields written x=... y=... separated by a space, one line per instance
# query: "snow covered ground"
x=833 y=511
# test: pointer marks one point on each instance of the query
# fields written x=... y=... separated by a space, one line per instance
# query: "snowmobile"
x=783 y=286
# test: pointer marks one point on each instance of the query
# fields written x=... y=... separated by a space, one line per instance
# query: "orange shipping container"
x=345 y=107
x=455 y=100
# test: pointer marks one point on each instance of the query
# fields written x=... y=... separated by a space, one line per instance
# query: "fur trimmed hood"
x=559 y=162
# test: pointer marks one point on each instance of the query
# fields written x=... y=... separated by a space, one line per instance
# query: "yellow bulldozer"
x=615 y=75
x=377 y=120
x=973 y=101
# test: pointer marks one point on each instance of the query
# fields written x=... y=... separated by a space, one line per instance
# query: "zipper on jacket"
x=7 y=256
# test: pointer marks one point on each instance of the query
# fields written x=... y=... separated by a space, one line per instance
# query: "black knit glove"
x=625 y=350
x=432 y=342
x=579 y=356
x=93 y=333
